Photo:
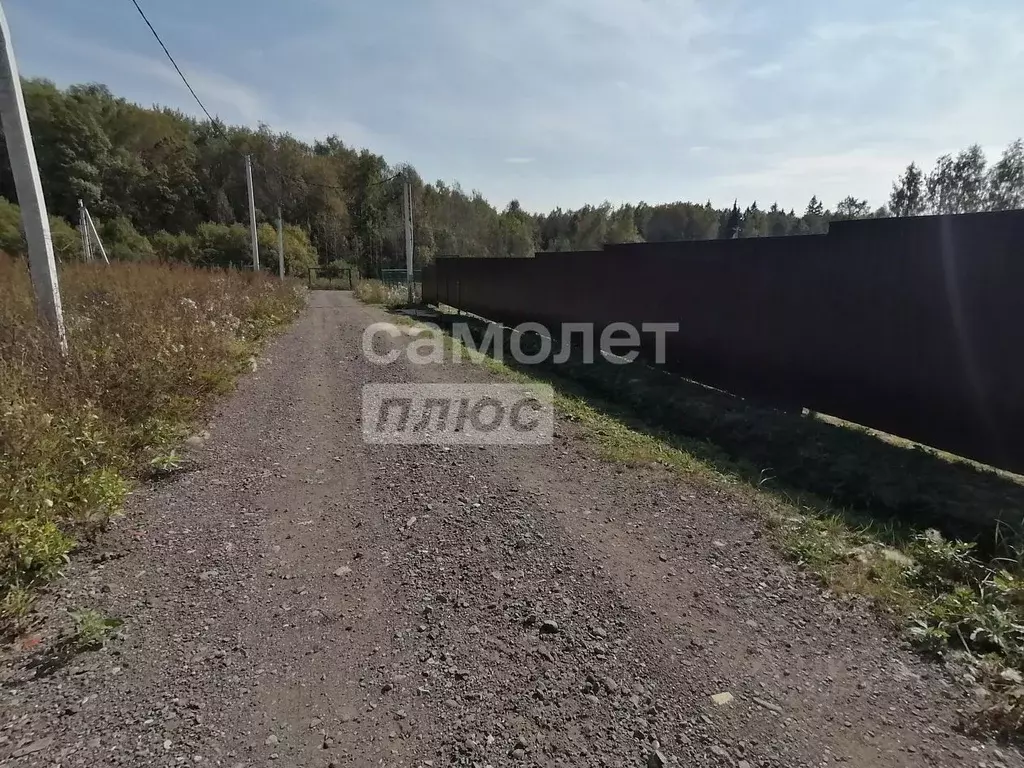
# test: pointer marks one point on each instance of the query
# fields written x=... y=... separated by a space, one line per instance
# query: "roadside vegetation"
x=210 y=245
x=150 y=345
x=934 y=542
x=389 y=295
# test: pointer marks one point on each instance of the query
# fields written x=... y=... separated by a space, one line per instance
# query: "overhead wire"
x=265 y=165
x=191 y=90
x=173 y=62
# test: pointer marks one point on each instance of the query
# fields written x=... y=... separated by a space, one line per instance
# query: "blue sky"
x=565 y=102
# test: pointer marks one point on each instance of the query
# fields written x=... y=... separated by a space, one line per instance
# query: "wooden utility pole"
x=25 y=170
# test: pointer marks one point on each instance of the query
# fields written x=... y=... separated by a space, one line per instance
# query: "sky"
x=568 y=102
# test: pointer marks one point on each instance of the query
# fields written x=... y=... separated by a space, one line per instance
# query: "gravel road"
x=303 y=599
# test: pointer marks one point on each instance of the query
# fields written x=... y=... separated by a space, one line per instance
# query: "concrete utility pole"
x=22 y=154
x=252 y=216
x=280 y=244
x=96 y=236
x=407 y=211
x=83 y=227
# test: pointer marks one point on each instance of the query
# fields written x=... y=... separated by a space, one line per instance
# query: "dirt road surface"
x=304 y=599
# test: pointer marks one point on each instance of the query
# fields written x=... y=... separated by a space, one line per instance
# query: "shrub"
x=150 y=344
x=32 y=549
x=377 y=292
x=212 y=244
x=67 y=241
x=123 y=242
x=299 y=254
x=181 y=248
x=11 y=239
x=222 y=245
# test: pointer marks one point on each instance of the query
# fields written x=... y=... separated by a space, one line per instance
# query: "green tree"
x=223 y=245
x=173 y=187
x=908 y=197
x=815 y=219
x=754 y=223
x=851 y=208
x=123 y=242
x=732 y=222
x=957 y=184
x=779 y=222
x=1005 y=180
x=622 y=226
x=299 y=254
x=181 y=247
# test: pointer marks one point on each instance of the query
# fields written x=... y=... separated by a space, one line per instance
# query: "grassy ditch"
x=935 y=543
x=150 y=345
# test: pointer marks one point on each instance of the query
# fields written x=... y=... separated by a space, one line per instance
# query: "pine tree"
x=731 y=223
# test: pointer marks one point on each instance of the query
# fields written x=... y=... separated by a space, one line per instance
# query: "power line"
x=281 y=174
x=392 y=177
x=173 y=62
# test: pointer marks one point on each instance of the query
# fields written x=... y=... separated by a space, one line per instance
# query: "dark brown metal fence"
x=912 y=326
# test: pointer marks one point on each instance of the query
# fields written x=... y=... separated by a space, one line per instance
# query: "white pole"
x=280 y=244
x=252 y=216
x=22 y=154
x=407 y=210
x=96 y=235
x=83 y=227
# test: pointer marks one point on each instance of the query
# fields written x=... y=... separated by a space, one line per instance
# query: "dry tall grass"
x=386 y=294
x=150 y=344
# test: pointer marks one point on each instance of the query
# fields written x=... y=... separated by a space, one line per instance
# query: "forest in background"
x=164 y=184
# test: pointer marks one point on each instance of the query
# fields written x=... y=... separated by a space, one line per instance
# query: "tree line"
x=164 y=184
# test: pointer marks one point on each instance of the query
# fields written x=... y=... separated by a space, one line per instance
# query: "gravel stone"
x=587 y=651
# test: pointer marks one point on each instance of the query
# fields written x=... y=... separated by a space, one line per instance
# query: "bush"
x=220 y=245
x=266 y=235
x=223 y=245
x=180 y=248
x=123 y=242
x=11 y=239
x=67 y=241
x=150 y=344
x=299 y=254
x=377 y=292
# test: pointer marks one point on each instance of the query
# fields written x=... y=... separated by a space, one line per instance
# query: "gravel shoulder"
x=303 y=599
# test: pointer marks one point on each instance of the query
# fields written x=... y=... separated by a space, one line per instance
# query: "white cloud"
x=563 y=102
x=220 y=94
x=851 y=103
x=153 y=80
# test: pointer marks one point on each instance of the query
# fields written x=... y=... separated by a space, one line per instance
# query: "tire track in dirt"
x=303 y=599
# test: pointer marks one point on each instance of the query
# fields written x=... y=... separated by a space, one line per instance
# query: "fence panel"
x=912 y=326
